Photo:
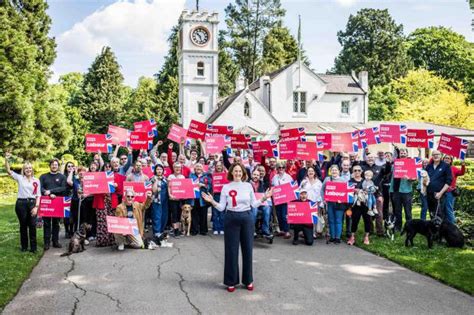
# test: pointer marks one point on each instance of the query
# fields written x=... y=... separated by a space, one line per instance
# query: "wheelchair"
x=259 y=227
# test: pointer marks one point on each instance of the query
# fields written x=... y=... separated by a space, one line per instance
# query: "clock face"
x=200 y=36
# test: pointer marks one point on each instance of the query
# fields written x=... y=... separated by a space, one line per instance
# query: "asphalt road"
x=187 y=279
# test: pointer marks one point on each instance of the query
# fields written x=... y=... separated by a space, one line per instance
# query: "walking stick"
x=79 y=212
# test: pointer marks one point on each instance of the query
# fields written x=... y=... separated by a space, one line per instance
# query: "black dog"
x=452 y=235
x=426 y=228
x=76 y=243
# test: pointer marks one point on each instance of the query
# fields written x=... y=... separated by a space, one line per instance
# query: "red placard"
x=407 y=167
x=341 y=192
x=303 y=212
x=219 y=130
x=306 y=151
x=122 y=225
x=324 y=141
x=98 y=143
x=177 y=133
x=288 y=150
x=393 y=133
x=452 y=145
x=141 y=140
x=345 y=142
x=238 y=141
x=258 y=147
x=59 y=207
x=148 y=126
x=218 y=181
x=216 y=143
x=285 y=193
x=120 y=136
x=293 y=134
x=197 y=130
x=420 y=138
x=259 y=196
x=98 y=183
x=369 y=136
x=149 y=171
x=119 y=179
x=184 y=188
x=140 y=189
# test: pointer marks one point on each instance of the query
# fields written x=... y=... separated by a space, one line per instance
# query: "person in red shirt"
x=186 y=171
x=450 y=196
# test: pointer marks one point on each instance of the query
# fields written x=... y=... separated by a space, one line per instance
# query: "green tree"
x=373 y=41
x=26 y=51
x=228 y=70
x=102 y=94
x=445 y=52
x=142 y=103
x=382 y=103
x=248 y=21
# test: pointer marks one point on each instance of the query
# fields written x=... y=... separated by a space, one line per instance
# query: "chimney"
x=239 y=83
x=364 y=80
x=265 y=88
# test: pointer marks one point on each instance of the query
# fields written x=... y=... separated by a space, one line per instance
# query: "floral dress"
x=103 y=237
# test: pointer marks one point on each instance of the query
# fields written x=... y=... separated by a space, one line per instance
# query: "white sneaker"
x=216 y=233
x=371 y=213
x=221 y=232
x=152 y=245
x=86 y=242
x=375 y=211
x=121 y=247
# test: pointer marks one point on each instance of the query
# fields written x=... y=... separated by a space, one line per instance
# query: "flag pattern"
x=110 y=181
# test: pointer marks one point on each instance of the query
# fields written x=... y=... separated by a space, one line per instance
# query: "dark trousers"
x=307 y=233
x=238 y=229
x=386 y=200
x=27 y=222
x=357 y=212
x=199 y=219
x=400 y=200
x=348 y=223
x=282 y=213
x=433 y=205
x=51 y=230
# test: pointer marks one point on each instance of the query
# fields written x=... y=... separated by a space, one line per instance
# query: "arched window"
x=247 y=109
x=200 y=69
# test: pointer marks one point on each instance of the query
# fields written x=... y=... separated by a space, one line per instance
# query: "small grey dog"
x=76 y=243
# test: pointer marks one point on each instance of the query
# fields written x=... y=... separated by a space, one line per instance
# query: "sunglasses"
x=123 y=159
x=357 y=170
x=70 y=166
x=281 y=168
x=130 y=197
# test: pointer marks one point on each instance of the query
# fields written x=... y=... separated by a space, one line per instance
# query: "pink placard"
x=420 y=138
x=324 y=141
x=341 y=192
x=148 y=171
x=216 y=143
x=141 y=140
x=148 y=126
x=140 y=189
x=368 y=137
x=122 y=225
x=119 y=179
x=345 y=142
x=99 y=143
x=393 y=133
x=120 y=136
x=407 y=168
x=177 y=133
x=98 y=183
x=288 y=150
x=218 y=181
x=219 y=130
x=184 y=188
x=259 y=196
x=293 y=134
x=452 y=145
x=258 y=147
x=197 y=130
x=302 y=212
x=59 y=207
x=306 y=151
x=285 y=193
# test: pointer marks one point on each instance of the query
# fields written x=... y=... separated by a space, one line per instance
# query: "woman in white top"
x=27 y=203
x=237 y=198
x=312 y=185
x=174 y=205
x=282 y=177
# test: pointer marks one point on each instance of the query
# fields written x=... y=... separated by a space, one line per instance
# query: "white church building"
x=293 y=96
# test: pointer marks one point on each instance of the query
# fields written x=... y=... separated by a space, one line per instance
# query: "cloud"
x=133 y=28
x=346 y=3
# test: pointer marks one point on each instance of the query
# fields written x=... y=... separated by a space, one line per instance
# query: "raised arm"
x=7 y=165
x=153 y=154
x=203 y=148
x=170 y=156
x=225 y=158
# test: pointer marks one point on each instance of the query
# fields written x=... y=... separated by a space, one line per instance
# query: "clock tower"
x=198 y=54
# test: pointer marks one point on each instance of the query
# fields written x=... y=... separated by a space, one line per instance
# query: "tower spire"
x=197 y=5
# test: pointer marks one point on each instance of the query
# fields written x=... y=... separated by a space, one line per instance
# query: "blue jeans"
x=449 y=207
x=371 y=201
x=335 y=215
x=282 y=212
x=266 y=213
x=424 y=206
x=217 y=217
x=159 y=218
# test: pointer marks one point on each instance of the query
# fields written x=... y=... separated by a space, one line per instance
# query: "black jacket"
x=439 y=176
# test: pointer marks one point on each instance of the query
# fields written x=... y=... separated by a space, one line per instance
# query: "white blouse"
x=27 y=188
x=314 y=190
x=238 y=197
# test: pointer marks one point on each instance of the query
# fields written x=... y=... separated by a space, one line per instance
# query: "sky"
x=137 y=30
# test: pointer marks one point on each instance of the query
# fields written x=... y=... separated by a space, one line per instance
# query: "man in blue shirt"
x=440 y=178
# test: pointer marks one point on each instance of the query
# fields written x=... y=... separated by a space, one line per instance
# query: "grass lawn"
x=454 y=267
x=15 y=266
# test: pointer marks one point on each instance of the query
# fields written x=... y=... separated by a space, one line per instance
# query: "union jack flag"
x=430 y=133
x=419 y=167
x=67 y=206
x=197 y=191
x=295 y=186
x=110 y=181
x=148 y=185
x=350 y=192
x=355 y=141
x=153 y=127
x=134 y=225
x=403 y=134
x=108 y=137
x=463 y=151
x=314 y=214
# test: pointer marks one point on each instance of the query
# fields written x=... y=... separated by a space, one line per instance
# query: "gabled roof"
x=341 y=84
x=256 y=84
x=223 y=106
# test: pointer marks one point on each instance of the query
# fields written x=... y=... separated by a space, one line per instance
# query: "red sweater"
x=184 y=169
x=456 y=172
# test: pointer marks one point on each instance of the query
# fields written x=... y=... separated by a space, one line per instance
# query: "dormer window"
x=200 y=69
x=299 y=102
x=247 y=109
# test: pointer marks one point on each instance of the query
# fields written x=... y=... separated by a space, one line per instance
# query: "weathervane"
x=197 y=5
